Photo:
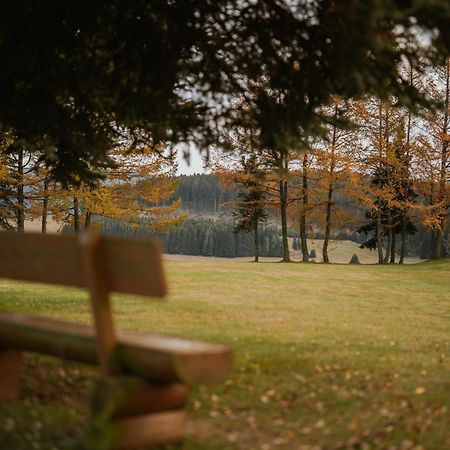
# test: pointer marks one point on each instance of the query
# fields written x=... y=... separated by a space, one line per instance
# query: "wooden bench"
x=140 y=396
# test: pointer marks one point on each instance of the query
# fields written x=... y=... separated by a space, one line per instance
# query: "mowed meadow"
x=326 y=356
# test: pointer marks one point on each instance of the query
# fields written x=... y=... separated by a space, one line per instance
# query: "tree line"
x=204 y=193
x=271 y=81
x=138 y=186
x=391 y=165
x=203 y=237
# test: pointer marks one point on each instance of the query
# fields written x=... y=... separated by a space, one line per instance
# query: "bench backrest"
x=133 y=266
x=101 y=264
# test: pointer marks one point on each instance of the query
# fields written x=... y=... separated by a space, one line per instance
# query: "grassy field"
x=326 y=356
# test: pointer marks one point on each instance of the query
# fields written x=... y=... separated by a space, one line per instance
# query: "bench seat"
x=154 y=358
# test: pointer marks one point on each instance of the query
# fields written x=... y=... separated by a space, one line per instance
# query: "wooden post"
x=10 y=365
x=97 y=281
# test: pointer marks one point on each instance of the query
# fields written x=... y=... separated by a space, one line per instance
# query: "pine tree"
x=394 y=191
x=249 y=212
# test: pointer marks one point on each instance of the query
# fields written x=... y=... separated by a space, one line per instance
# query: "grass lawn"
x=326 y=356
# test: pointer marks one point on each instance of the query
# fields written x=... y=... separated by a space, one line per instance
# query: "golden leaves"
x=420 y=390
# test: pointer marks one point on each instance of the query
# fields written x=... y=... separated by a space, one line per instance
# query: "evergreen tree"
x=394 y=186
x=156 y=68
x=250 y=213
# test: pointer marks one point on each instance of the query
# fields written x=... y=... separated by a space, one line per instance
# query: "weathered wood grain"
x=134 y=266
x=96 y=269
x=145 y=398
x=154 y=358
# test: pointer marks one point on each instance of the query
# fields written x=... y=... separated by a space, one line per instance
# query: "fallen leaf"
x=420 y=390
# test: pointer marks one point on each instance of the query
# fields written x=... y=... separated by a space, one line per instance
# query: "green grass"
x=326 y=356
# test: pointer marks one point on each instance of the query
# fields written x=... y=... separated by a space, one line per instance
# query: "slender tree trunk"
x=305 y=199
x=405 y=213
x=387 y=255
x=437 y=244
x=378 y=227
x=303 y=239
x=256 y=242
x=392 y=259
x=87 y=221
x=327 y=226
x=45 y=205
x=76 y=215
x=432 y=239
x=326 y=240
x=403 y=242
x=379 y=240
x=283 y=210
x=20 y=193
x=403 y=239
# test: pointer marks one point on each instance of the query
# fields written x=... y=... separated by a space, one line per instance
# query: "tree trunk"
x=330 y=191
x=436 y=244
x=303 y=239
x=438 y=238
x=256 y=242
x=387 y=255
x=392 y=259
x=305 y=199
x=379 y=240
x=87 y=221
x=20 y=193
x=45 y=205
x=327 y=226
x=284 y=231
x=378 y=227
x=408 y=141
x=403 y=241
x=76 y=215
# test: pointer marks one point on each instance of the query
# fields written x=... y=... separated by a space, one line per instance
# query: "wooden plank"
x=134 y=265
x=192 y=362
x=148 y=398
x=97 y=279
x=154 y=358
x=152 y=429
x=139 y=397
x=53 y=259
x=10 y=367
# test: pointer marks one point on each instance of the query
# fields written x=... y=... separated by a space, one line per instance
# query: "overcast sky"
x=195 y=163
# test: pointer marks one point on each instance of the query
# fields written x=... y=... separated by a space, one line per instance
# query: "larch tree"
x=413 y=76
x=136 y=191
x=244 y=142
x=334 y=164
x=383 y=129
x=277 y=167
x=434 y=159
